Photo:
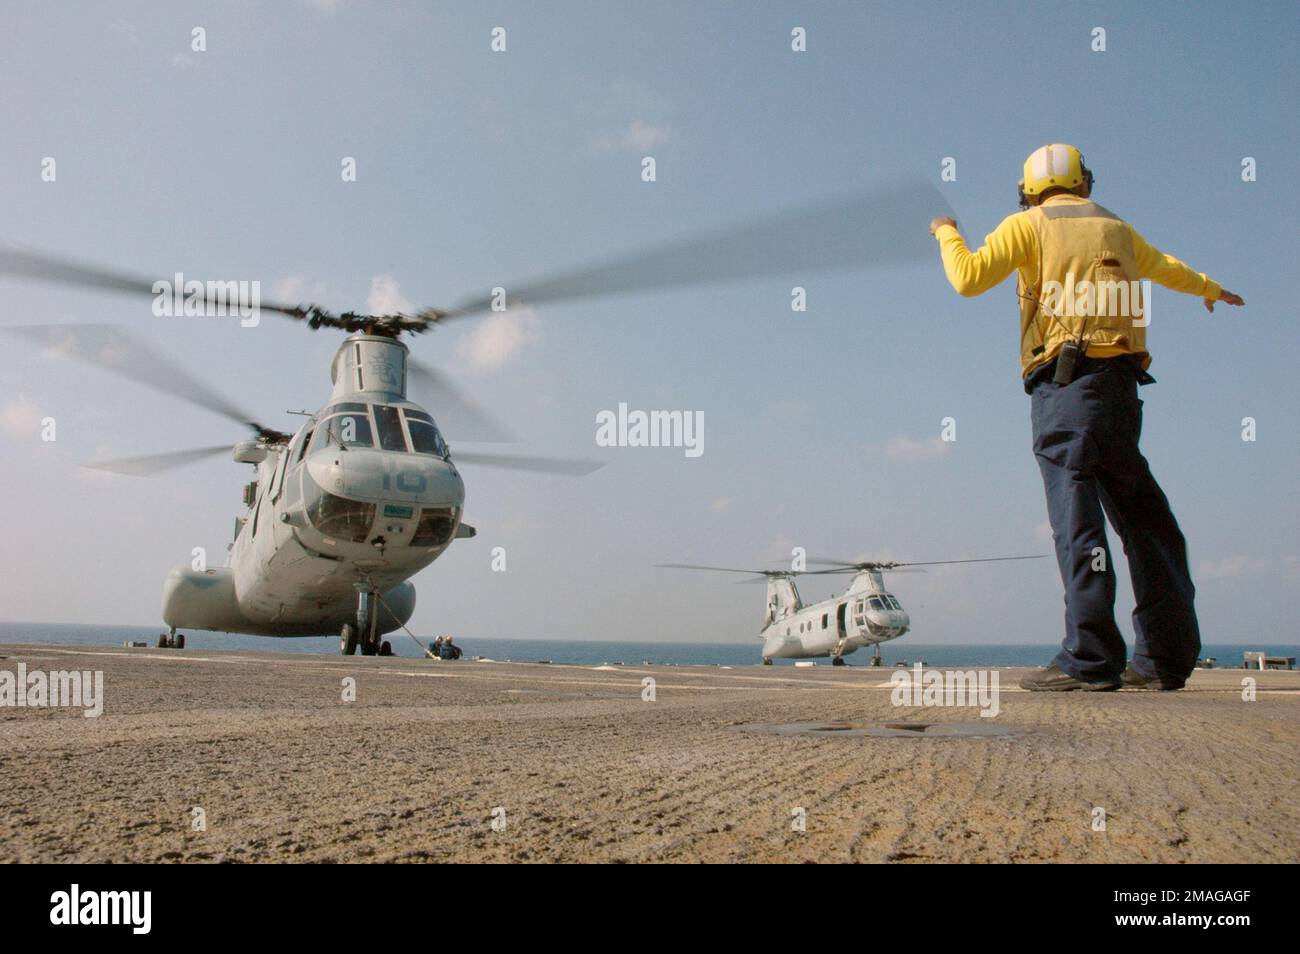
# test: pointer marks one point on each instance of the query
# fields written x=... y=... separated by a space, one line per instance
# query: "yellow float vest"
x=1088 y=283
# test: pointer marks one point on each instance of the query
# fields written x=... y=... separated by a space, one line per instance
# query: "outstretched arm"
x=1004 y=250
x=1170 y=272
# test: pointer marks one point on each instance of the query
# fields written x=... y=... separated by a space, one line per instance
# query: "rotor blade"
x=724 y=569
x=112 y=348
x=891 y=566
x=1034 y=556
x=878 y=228
x=156 y=463
x=39 y=266
x=457 y=416
x=23 y=263
x=544 y=465
x=859 y=569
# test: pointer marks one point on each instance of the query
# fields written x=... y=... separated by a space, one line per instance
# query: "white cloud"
x=20 y=418
x=386 y=297
x=498 y=338
x=909 y=449
x=638 y=137
x=1231 y=567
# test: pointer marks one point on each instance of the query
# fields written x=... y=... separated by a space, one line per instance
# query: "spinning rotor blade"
x=457 y=416
x=566 y=466
x=859 y=569
x=22 y=263
x=848 y=566
x=112 y=348
x=878 y=228
x=26 y=263
x=152 y=464
x=727 y=569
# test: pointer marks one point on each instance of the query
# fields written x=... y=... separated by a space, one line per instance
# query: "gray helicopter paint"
x=795 y=631
x=285 y=577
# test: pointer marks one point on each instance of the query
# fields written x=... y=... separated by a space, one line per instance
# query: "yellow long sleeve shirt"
x=1014 y=245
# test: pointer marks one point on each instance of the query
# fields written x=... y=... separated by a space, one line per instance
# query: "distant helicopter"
x=342 y=513
x=866 y=614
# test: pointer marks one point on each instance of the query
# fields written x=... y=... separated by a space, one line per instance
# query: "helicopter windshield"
x=336 y=516
x=425 y=437
x=345 y=430
x=436 y=526
x=389 y=423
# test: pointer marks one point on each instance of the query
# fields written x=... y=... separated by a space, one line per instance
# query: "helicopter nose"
x=409 y=479
x=887 y=622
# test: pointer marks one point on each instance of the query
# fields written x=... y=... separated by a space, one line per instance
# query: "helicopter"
x=866 y=614
x=366 y=493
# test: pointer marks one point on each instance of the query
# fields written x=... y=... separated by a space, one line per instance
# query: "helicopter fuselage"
x=865 y=615
x=360 y=499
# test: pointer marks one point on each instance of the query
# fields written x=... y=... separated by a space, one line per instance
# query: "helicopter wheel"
x=385 y=648
x=348 y=641
x=162 y=640
x=766 y=661
x=179 y=641
x=838 y=661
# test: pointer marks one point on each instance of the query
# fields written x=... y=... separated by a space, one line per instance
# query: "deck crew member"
x=1083 y=354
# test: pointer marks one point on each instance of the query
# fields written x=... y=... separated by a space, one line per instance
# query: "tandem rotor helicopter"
x=365 y=494
x=866 y=614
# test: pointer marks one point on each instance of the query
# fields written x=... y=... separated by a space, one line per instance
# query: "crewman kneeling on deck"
x=1083 y=355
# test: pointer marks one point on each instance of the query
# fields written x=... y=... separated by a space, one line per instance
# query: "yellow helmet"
x=1054 y=166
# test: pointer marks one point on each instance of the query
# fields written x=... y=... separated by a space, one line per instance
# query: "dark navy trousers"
x=1086 y=442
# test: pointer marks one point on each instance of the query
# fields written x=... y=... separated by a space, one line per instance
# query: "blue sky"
x=478 y=168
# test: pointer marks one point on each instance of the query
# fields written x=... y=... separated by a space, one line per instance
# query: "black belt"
x=1128 y=363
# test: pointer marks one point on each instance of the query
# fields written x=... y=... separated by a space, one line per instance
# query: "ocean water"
x=582 y=652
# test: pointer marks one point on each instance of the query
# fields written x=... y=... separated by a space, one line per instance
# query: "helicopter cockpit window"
x=345 y=430
x=425 y=437
x=389 y=422
x=351 y=430
x=347 y=407
x=336 y=516
x=893 y=603
x=875 y=602
x=436 y=526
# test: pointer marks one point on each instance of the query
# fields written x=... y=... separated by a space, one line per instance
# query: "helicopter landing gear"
x=171 y=640
x=348 y=640
x=368 y=624
x=766 y=661
x=838 y=661
x=876 y=660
